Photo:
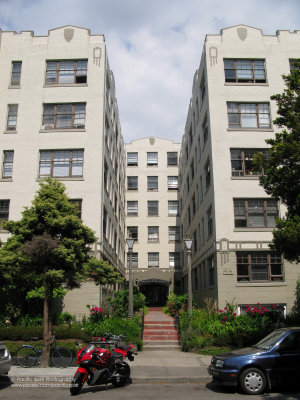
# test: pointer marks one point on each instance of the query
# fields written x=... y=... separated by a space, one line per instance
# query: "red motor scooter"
x=100 y=364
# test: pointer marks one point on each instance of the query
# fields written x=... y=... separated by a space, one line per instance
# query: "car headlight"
x=219 y=363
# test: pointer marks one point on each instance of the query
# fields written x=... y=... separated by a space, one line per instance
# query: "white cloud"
x=154 y=47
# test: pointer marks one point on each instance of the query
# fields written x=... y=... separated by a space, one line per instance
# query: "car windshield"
x=269 y=341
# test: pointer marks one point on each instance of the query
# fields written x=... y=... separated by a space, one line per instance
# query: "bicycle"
x=28 y=355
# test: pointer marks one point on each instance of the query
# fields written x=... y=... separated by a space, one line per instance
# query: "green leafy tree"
x=281 y=166
x=119 y=302
x=49 y=251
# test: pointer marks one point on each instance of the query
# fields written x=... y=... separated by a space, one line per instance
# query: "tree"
x=49 y=250
x=281 y=166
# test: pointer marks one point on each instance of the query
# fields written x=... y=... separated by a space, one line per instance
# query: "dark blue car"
x=275 y=358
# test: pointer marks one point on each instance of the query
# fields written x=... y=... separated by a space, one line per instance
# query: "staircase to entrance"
x=159 y=331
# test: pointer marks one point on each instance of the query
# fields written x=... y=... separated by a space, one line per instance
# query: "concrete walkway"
x=160 y=361
x=148 y=367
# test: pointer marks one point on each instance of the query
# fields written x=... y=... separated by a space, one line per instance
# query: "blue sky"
x=154 y=47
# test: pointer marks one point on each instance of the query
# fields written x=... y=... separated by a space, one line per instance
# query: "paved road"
x=132 y=391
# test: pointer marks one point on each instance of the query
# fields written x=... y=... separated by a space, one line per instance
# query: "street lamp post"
x=130 y=243
x=188 y=244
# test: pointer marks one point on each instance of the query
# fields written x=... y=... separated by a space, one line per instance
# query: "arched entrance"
x=156 y=291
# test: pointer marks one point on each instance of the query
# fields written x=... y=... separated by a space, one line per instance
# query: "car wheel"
x=253 y=381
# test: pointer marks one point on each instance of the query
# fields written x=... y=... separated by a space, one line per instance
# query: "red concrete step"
x=149 y=331
x=153 y=326
x=160 y=337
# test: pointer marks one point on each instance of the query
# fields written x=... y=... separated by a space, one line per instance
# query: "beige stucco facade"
x=154 y=162
x=94 y=131
x=210 y=155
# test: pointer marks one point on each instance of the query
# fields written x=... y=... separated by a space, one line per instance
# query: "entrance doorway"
x=156 y=293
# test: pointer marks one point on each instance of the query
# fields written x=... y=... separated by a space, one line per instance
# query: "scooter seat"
x=114 y=354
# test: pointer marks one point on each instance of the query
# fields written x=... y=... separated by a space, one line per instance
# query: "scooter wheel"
x=76 y=383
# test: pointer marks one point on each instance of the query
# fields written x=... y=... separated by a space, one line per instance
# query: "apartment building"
x=59 y=118
x=152 y=216
x=226 y=213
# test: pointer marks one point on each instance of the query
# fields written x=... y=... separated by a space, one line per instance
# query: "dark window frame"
x=16 y=70
x=244 y=212
x=55 y=162
x=244 y=160
x=4 y=210
x=238 y=111
x=249 y=266
x=255 y=66
x=53 y=116
x=78 y=77
x=8 y=162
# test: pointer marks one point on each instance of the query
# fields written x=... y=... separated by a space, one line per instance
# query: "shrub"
x=116 y=325
x=119 y=302
x=175 y=304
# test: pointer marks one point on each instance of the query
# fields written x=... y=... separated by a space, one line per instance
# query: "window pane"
x=77 y=163
x=12 y=117
x=256 y=213
x=132 y=158
x=132 y=182
x=66 y=72
x=45 y=163
x=244 y=69
x=4 y=210
x=172 y=182
x=152 y=158
x=61 y=163
x=64 y=116
x=79 y=118
x=172 y=158
x=16 y=73
x=272 y=210
x=51 y=72
x=8 y=164
x=248 y=116
x=152 y=182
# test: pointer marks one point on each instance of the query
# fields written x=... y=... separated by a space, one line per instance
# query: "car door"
x=287 y=365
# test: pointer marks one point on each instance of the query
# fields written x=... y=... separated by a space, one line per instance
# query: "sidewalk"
x=157 y=366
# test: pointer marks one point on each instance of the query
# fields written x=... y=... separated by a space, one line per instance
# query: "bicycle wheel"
x=26 y=356
x=61 y=357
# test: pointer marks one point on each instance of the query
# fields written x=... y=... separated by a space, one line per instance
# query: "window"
x=209 y=223
x=104 y=223
x=61 y=163
x=174 y=234
x=248 y=115
x=241 y=162
x=153 y=260
x=211 y=271
x=242 y=71
x=134 y=260
x=132 y=232
x=132 y=208
x=172 y=182
x=78 y=205
x=8 y=159
x=132 y=159
x=12 y=117
x=152 y=208
x=4 y=210
x=207 y=174
x=174 y=260
x=202 y=87
x=16 y=73
x=258 y=266
x=132 y=183
x=64 y=116
x=66 y=72
x=173 y=207
x=152 y=159
x=205 y=129
x=153 y=233
x=152 y=182
x=255 y=213
x=172 y=158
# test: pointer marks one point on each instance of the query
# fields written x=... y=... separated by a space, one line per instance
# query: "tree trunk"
x=47 y=327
